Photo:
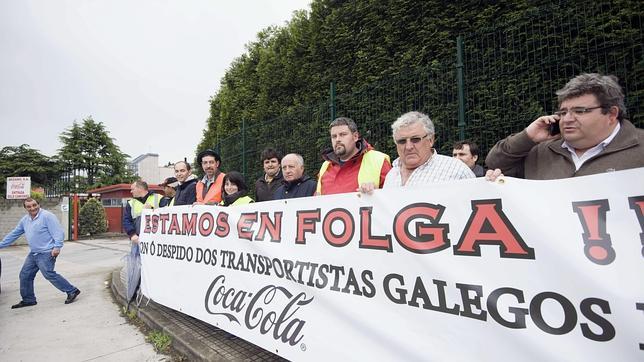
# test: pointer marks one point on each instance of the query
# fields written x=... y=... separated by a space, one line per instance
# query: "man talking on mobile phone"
x=595 y=136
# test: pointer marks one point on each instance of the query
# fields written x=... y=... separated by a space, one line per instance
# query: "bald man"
x=295 y=183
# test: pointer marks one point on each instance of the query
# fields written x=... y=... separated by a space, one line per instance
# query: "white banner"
x=469 y=270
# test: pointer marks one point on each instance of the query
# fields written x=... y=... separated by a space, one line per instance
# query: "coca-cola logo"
x=271 y=309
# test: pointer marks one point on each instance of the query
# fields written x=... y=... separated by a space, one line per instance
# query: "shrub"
x=92 y=219
x=37 y=195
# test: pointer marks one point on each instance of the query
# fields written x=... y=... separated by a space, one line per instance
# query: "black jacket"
x=305 y=186
x=165 y=201
x=264 y=191
x=186 y=193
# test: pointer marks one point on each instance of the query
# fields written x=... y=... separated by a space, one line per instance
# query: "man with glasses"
x=417 y=162
x=588 y=135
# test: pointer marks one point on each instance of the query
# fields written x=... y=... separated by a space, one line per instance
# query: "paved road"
x=90 y=329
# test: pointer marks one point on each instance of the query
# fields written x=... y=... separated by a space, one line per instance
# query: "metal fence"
x=512 y=77
x=70 y=181
x=509 y=78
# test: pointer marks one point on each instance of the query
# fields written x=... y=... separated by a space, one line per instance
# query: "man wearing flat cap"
x=169 y=190
x=209 y=187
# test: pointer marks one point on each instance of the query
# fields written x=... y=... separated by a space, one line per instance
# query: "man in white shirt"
x=417 y=162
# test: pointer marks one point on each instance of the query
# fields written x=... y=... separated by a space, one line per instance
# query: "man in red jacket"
x=351 y=164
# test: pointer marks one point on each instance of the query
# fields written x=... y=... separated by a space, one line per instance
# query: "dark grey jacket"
x=305 y=186
x=186 y=193
x=264 y=190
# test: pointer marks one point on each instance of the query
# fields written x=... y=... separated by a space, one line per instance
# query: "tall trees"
x=88 y=159
x=516 y=54
x=90 y=153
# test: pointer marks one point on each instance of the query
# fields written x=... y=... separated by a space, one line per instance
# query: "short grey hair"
x=141 y=184
x=298 y=158
x=605 y=87
x=344 y=121
x=411 y=118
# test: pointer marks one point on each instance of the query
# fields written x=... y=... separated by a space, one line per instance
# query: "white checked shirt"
x=438 y=168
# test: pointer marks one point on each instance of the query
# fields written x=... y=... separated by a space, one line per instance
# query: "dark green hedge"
x=389 y=57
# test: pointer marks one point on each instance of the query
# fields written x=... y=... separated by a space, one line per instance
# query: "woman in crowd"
x=234 y=190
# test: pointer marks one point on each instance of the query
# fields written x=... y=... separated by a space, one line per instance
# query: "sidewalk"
x=196 y=340
x=90 y=329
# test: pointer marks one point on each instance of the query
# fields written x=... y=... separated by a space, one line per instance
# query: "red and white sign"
x=466 y=271
x=18 y=187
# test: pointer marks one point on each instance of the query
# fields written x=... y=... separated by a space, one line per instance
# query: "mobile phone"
x=554 y=128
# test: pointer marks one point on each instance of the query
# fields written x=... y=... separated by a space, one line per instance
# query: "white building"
x=147 y=168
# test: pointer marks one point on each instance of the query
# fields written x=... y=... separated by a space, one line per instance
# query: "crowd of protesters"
x=589 y=134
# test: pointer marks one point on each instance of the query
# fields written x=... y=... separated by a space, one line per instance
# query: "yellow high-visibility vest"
x=242 y=201
x=137 y=206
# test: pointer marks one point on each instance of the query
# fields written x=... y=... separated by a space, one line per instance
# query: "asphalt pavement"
x=90 y=329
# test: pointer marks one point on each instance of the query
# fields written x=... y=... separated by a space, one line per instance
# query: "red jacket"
x=335 y=178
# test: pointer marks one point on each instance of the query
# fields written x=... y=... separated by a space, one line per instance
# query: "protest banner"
x=467 y=270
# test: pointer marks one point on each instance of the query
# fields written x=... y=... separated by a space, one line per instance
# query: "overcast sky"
x=146 y=69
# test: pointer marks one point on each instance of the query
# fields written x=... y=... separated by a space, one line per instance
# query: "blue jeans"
x=45 y=263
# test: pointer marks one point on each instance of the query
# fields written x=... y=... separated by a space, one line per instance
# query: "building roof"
x=143 y=156
x=120 y=187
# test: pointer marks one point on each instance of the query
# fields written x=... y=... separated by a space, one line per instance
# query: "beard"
x=340 y=150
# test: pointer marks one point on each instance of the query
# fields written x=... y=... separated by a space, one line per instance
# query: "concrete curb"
x=196 y=340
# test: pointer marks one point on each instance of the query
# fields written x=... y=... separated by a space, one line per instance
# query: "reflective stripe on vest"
x=137 y=206
x=242 y=201
x=214 y=192
x=369 y=169
x=171 y=202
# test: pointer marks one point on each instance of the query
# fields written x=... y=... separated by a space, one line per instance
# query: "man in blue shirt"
x=45 y=237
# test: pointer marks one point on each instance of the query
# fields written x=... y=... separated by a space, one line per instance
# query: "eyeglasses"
x=577 y=111
x=414 y=140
